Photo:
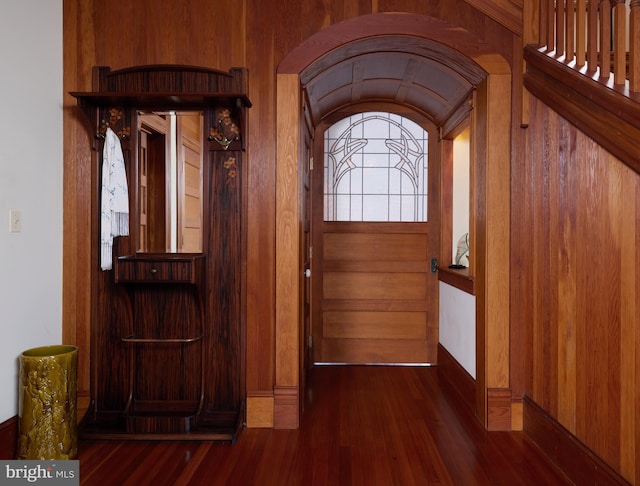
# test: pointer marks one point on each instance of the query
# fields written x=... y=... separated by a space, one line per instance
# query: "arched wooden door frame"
x=492 y=126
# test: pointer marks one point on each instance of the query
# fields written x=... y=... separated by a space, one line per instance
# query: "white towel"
x=114 y=219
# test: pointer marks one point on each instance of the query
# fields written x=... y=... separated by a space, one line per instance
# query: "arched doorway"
x=437 y=70
x=375 y=224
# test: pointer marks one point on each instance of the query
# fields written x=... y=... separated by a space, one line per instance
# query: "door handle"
x=307 y=273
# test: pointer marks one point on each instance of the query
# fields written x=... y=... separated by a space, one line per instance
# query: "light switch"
x=15 y=221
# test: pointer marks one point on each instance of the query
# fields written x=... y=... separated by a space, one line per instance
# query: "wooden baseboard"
x=8 y=438
x=456 y=378
x=576 y=460
x=286 y=408
x=516 y=413
x=499 y=409
x=260 y=407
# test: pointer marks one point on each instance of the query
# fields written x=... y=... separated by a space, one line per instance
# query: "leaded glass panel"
x=375 y=169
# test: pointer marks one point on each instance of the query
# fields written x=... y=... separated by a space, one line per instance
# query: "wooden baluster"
x=592 y=35
x=542 y=23
x=560 y=38
x=550 y=15
x=571 y=29
x=605 y=38
x=619 y=41
x=581 y=33
x=634 y=47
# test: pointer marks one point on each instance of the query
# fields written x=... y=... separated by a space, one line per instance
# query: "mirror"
x=166 y=116
x=170 y=153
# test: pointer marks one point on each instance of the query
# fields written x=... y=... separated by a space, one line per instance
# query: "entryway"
x=365 y=65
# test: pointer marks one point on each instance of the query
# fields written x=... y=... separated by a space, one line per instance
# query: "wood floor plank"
x=362 y=425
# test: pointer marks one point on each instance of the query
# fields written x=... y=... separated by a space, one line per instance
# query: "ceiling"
x=428 y=77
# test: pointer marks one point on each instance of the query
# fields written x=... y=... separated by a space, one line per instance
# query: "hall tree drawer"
x=169 y=268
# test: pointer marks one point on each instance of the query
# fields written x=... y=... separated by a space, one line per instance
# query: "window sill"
x=458 y=278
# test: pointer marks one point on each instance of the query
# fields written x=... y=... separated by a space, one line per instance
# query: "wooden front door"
x=374 y=297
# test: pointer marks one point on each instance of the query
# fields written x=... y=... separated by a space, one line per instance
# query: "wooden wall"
x=256 y=34
x=575 y=210
x=576 y=218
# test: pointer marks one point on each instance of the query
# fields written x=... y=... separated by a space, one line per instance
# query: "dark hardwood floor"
x=361 y=426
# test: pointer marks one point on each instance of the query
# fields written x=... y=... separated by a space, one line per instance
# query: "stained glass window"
x=375 y=169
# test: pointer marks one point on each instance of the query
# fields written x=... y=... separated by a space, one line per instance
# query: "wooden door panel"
x=375 y=325
x=374 y=351
x=376 y=305
x=376 y=295
x=375 y=286
x=375 y=246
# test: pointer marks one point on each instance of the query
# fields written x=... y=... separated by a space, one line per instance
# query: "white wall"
x=31 y=156
x=461 y=191
x=458 y=326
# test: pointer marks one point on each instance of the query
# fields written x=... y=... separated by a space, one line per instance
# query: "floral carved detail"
x=225 y=130
x=113 y=118
x=231 y=165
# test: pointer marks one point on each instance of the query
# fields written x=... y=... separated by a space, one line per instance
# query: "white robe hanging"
x=114 y=220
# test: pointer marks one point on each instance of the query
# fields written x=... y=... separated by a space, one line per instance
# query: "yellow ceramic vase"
x=47 y=409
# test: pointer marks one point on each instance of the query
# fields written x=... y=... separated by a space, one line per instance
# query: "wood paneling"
x=491 y=209
x=610 y=115
x=288 y=264
x=77 y=293
x=506 y=12
x=584 y=207
x=255 y=34
x=251 y=34
x=574 y=207
x=261 y=150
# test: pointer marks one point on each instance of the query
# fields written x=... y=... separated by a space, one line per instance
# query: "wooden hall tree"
x=167 y=327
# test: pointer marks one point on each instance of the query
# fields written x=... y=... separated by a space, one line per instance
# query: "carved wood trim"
x=609 y=115
x=115 y=118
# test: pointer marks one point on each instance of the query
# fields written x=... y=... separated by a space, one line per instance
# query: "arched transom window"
x=375 y=169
